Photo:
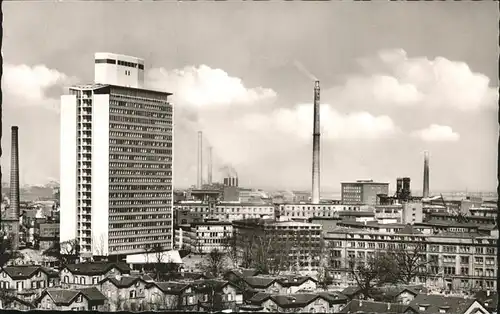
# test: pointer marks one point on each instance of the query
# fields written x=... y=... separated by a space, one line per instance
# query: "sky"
x=396 y=79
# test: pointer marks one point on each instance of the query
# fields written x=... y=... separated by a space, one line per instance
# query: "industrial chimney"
x=316 y=148
x=200 y=160
x=13 y=212
x=426 y=174
x=209 y=174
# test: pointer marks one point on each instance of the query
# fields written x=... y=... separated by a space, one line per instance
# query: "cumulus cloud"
x=32 y=82
x=298 y=122
x=206 y=87
x=437 y=133
x=393 y=78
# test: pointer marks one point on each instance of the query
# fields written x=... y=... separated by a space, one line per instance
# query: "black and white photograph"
x=250 y=156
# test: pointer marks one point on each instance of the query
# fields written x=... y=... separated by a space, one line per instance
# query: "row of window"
x=145 y=173
x=140 y=135
x=139 y=112
x=139 y=195
x=141 y=217
x=139 y=103
x=130 y=247
x=139 y=210
x=155 y=158
x=152 y=121
x=139 y=188
x=140 y=143
x=140 y=180
x=149 y=129
x=137 y=232
x=127 y=94
x=141 y=202
x=139 y=165
x=140 y=224
x=141 y=150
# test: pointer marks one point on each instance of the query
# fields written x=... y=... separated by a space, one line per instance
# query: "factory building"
x=459 y=259
x=362 y=192
x=116 y=161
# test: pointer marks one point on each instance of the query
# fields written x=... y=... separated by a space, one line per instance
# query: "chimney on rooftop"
x=316 y=147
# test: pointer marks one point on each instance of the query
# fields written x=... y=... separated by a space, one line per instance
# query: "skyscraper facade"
x=116 y=161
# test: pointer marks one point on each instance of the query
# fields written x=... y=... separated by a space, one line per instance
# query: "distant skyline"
x=396 y=79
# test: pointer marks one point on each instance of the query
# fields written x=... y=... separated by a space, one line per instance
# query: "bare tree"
x=166 y=302
x=379 y=269
x=214 y=262
x=411 y=261
x=98 y=245
x=230 y=248
x=157 y=251
x=6 y=248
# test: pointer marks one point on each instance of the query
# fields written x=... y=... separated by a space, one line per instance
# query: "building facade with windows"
x=206 y=236
x=116 y=162
x=299 y=242
x=455 y=260
x=307 y=211
x=362 y=192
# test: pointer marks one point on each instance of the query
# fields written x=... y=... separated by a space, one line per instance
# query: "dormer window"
x=444 y=309
x=423 y=307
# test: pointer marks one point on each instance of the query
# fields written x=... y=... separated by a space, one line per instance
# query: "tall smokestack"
x=426 y=174
x=14 y=175
x=316 y=138
x=209 y=175
x=13 y=212
x=200 y=160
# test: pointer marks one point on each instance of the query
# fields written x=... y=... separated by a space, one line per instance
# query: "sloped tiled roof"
x=122 y=281
x=61 y=296
x=259 y=281
x=170 y=287
x=93 y=294
x=433 y=302
x=96 y=268
x=358 y=306
x=490 y=302
x=23 y=272
x=293 y=281
x=350 y=291
x=294 y=300
x=66 y=297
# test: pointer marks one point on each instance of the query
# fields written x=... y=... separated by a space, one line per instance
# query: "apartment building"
x=307 y=211
x=116 y=161
x=363 y=192
x=300 y=241
x=458 y=260
x=207 y=236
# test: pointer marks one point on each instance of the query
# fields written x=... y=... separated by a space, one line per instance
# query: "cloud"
x=206 y=87
x=437 y=133
x=32 y=83
x=394 y=79
x=298 y=122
